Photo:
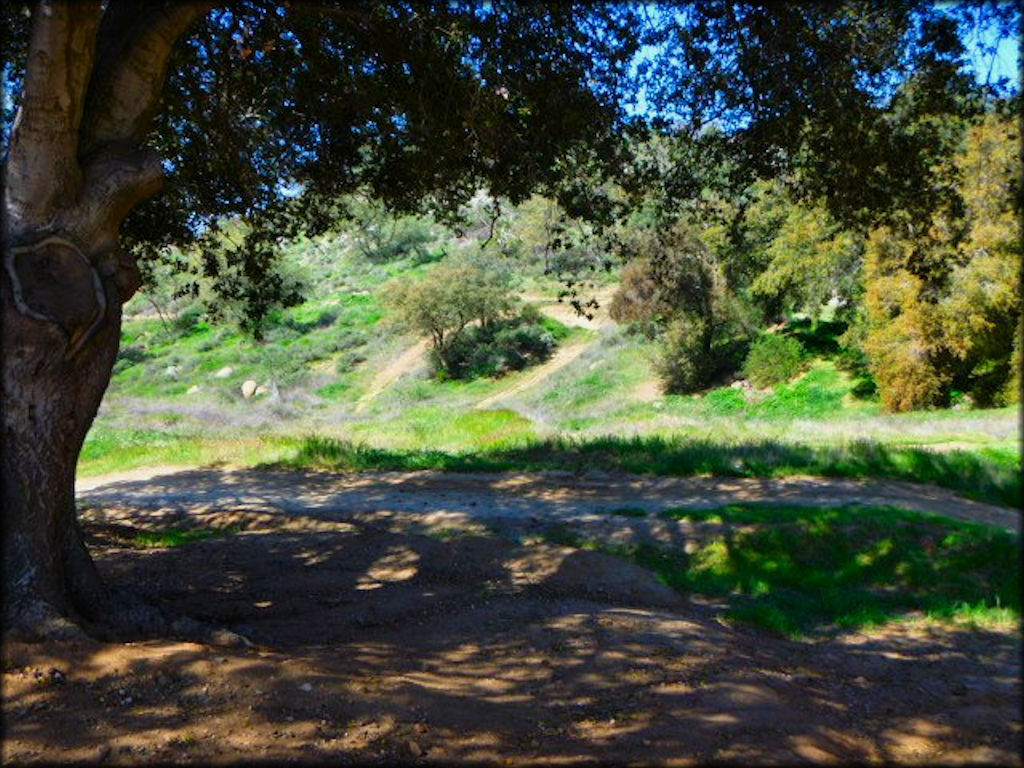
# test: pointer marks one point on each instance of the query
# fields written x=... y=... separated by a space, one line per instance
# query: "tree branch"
x=42 y=160
x=135 y=43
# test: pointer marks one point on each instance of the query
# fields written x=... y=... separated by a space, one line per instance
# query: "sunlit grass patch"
x=802 y=569
x=113 y=450
x=177 y=537
x=471 y=430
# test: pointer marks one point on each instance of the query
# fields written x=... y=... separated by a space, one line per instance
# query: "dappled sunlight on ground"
x=524 y=679
x=413 y=616
x=462 y=497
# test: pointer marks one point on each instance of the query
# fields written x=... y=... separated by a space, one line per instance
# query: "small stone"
x=307 y=687
x=414 y=749
x=194 y=389
x=224 y=372
x=248 y=388
x=261 y=391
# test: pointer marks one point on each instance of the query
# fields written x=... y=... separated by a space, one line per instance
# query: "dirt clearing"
x=404 y=618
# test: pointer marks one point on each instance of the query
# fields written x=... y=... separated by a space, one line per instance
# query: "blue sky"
x=1005 y=62
x=988 y=68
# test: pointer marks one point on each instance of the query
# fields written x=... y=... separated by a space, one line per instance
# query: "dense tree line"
x=931 y=296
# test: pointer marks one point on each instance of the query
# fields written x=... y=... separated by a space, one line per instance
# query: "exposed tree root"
x=119 y=616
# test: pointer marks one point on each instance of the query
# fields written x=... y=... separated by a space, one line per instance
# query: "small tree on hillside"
x=451 y=297
x=673 y=287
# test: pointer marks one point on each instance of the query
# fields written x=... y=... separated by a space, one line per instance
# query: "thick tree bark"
x=75 y=167
x=55 y=371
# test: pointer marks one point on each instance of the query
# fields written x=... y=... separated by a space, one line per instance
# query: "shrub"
x=501 y=346
x=444 y=303
x=1011 y=392
x=382 y=237
x=685 y=363
x=773 y=359
x=347 y=361
x=127 y=356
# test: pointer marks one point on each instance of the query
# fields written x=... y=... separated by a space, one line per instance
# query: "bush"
x=684 y=364
x=501 y=346
x=127 y=356
x=444 y=304
x=773 y=359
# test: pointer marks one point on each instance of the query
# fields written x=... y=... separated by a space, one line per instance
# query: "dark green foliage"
x=629 y=512
x=323 y=320
x=127 y=356
x=189 y=320
x=817 y=337
x=419 y=107
x=773 y=359
x=503 y=345
x=382 y=237
x=685 y=360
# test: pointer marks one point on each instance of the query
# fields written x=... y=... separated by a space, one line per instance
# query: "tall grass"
x=113 y=450
x=993 y=479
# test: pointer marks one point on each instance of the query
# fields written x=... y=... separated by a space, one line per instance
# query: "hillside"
x=337 y=367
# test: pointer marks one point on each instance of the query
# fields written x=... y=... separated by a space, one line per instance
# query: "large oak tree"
x=141 y=124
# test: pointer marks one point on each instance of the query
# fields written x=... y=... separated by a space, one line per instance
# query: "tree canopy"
x=272 y=110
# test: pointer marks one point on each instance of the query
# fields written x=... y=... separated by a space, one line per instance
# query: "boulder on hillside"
x=249 y=388
x=224 y=372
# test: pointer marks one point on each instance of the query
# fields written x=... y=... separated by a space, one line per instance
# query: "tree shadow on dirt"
x=377 y=643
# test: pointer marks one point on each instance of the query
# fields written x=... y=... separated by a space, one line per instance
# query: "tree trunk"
x=61 y=326
x=74 y=168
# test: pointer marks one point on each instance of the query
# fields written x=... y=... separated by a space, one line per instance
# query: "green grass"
x=985 y=478
x=823 y=392
x=629 y=512
x=797 y=570
x=427 y=424
x=114 y=450
x=177 y=537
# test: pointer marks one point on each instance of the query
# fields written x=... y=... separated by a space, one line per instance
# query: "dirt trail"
x=433 y=496
x=533 y=376
x=563 y=356
x=409 y=360
x=405 y=363
x=393 y=621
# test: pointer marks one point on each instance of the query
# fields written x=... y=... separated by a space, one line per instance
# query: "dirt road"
x=391 y=625
x=448 y=497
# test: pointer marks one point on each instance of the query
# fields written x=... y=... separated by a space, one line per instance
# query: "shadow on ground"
x=375 y=640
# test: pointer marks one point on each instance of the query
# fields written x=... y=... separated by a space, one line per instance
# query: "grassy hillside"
x=336 y=371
